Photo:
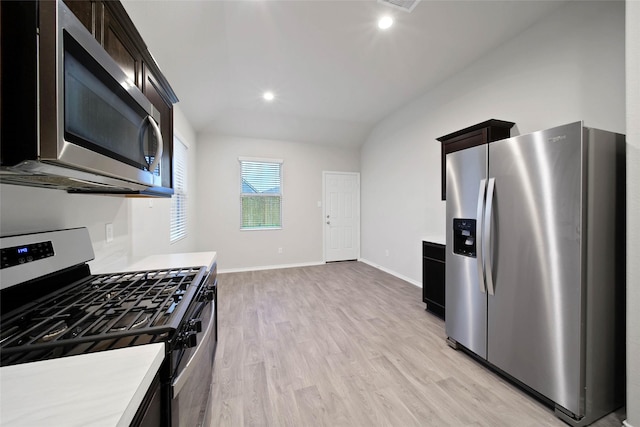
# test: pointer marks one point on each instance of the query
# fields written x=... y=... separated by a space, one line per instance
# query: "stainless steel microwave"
x=71 y=118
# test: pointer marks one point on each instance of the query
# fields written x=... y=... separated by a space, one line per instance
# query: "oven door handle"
x=186 y=373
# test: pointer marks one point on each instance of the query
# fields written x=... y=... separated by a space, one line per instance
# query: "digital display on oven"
x=23 y=254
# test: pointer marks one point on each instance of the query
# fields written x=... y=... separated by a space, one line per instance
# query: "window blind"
x=179 y=199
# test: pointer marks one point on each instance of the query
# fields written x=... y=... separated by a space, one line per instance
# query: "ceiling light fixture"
x=268 y=96
x=385 y=22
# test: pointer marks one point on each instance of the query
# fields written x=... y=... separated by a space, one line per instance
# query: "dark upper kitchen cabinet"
x=482 y=133
x=120 y=46
x=111 y=26
x=153 y=90
x=85 y=10
x=433 y=284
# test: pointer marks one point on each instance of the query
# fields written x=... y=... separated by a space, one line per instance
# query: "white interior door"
x=341 y=216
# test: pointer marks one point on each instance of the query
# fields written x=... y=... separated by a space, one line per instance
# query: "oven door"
x=191 y=386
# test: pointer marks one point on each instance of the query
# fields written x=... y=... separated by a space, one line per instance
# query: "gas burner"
x=169 y=290
x=54 y=333
x=112 y=295
x=51 y=332
x=123 y=324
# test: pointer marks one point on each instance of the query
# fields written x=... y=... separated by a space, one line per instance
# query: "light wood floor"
x=345 y=344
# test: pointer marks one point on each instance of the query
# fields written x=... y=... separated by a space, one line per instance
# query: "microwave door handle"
x=158 y=156
x=479 y=240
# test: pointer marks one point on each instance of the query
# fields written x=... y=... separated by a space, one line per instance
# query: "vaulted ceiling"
x=334 y=73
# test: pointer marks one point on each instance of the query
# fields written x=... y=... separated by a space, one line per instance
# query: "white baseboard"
x=626 y=424
x=393 y=273
x=308 y=264
x=269 y=267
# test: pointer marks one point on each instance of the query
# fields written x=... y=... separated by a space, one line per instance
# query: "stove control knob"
x=195 y=325
x=190 y=339
x=209 y=294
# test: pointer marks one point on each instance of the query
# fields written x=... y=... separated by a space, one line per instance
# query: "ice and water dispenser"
x=464 y=237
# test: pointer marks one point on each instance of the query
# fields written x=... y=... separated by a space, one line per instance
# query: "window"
x=260 y=194
x=179 y=199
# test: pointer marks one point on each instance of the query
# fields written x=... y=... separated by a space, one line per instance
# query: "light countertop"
x=186 y=259
x=97 y=389
x=435 y=239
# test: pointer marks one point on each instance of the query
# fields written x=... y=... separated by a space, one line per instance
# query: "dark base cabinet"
x=433 y=277
x=150 y=411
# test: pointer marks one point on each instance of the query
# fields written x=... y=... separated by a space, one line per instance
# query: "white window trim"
x=259 y=159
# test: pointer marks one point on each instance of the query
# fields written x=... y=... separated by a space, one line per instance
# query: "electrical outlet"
x=108 y=232
x=386 y=252
x=279 y=250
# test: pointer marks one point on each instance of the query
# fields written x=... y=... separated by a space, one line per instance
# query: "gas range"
x=53 y=307
x=102 y=312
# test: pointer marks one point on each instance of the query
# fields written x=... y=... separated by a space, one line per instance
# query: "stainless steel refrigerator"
x=535 y=264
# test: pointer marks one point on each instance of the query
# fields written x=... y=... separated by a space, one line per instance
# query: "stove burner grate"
x=104 y=308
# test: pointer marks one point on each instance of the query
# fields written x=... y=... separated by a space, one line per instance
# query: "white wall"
x=218 y=198
x=633 y=212
x=150 y=218
x=567 y=67
x=27 y=209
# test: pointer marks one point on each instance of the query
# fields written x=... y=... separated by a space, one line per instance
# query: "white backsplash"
x=30 y=209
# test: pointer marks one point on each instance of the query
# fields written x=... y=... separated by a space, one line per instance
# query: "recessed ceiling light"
x=268 y=96
x=385 y=22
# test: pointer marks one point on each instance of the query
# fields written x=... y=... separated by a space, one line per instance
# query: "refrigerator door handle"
x=481 y=194
x=486 y=241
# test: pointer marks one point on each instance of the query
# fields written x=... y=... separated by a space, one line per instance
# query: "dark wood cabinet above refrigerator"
x=482 y=133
